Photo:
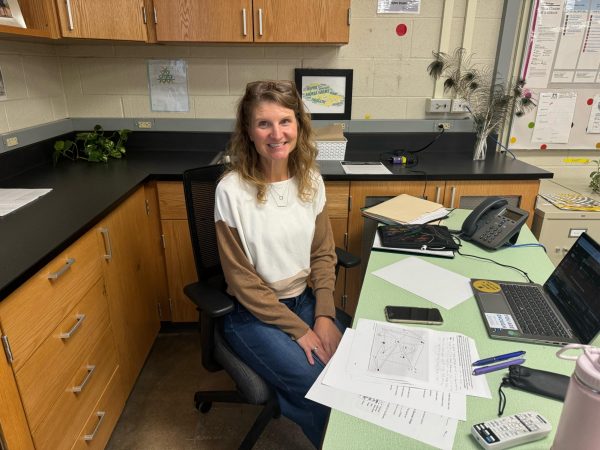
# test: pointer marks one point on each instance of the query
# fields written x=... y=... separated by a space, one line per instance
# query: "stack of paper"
x=405 y=209
x=410 y=380
x=13 y=199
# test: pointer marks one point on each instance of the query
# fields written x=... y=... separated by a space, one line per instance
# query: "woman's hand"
x=311 y=343
x=330 y=336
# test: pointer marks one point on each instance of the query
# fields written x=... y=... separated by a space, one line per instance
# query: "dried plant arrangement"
x=489 y=104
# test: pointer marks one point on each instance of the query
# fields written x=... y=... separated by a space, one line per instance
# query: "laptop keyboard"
x=532 y=311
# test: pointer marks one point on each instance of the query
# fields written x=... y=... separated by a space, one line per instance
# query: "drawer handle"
x=67 y=334
x=63 y=269
x=69 y=15
x=260 y=21
x=90 y=371
x=438 y=191
x=92 y=435
x=244 y=20
x=107 y=244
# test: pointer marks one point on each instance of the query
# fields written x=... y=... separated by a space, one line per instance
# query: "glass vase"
x=480 y=151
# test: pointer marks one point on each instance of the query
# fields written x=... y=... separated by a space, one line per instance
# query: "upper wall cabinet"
x=203 y=20
x=103 y=19
x=269 y=21
x=40 y=19
x=302 y=21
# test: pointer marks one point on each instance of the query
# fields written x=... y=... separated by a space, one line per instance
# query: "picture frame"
x=327 y=93
x=10 y=14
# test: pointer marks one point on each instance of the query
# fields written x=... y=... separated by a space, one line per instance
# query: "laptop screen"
x=574 y=287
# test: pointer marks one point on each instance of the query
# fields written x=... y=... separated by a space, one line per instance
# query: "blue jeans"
x=281 y=362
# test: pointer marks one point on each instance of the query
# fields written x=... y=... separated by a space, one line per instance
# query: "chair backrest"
x=199 y=187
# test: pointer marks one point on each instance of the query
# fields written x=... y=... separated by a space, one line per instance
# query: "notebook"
x=424 y=237
x=405 y=209
x=566 y=309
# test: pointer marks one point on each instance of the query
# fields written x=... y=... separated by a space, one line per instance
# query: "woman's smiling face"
x=274 y=131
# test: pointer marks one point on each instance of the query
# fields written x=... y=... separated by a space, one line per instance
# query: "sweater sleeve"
x=322 y=263
x=248 y=287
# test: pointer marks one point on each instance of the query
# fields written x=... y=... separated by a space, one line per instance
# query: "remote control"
x=507 y=432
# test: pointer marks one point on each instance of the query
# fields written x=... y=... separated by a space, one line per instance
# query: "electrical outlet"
x=11 y=141
x=341 y=124
x=459 y=106
x=438 y=105
x=437 y=126
x=144 y=124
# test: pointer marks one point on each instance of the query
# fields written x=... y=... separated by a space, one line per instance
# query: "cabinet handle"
x=349 y=15
x=144 y=14
x=452 y=195
x=90 y=370
x=92 y=435
x=438 y=191
x=260 y=16
x=63 y=269
x=67 y=334
x=244 y=19
x=155 y=16
x=107 y=244
x=69 y=15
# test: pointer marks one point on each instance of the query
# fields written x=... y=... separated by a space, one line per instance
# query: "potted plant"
x=489 y=104
x=595 y=177
x=92 y=146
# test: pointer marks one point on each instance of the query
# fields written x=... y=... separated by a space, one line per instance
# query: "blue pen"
x=503 y=365
x=483 y=362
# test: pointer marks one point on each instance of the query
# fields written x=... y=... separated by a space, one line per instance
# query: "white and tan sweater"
x=270 y=250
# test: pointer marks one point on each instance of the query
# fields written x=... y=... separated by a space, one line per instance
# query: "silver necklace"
x=280 y=196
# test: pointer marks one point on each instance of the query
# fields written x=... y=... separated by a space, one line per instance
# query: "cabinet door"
x=301 y=21
x=132 y=307
x=203 y=20
x=337 y=206
x=362 y=193
x=102 y=19
x=181 y=269
x=468 y=194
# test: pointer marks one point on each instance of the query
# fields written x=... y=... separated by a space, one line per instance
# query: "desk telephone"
x=493 y=223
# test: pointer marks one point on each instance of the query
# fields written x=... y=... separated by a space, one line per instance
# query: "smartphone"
x=411 y=314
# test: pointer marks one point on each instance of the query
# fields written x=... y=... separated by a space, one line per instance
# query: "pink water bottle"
x=579 y=425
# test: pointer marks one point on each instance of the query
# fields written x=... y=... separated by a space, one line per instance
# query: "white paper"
x=433 y=429
x=554 y=117
x=370 y=168
x=433 y=283
x=13 y=199
x=398 y=6
x=168 y=85
x=416 y=355
x=445 y=403
x=594 y=121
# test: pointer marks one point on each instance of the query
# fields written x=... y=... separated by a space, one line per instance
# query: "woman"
x=274 y=236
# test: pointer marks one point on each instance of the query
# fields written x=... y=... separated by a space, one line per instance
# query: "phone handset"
x=470 y=224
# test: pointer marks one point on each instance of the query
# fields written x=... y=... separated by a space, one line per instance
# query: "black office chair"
x=213 y=303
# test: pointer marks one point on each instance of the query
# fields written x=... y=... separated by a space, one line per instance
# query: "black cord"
x=439 y=135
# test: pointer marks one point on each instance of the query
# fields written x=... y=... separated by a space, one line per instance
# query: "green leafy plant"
x=595 y=176
x=92 y=146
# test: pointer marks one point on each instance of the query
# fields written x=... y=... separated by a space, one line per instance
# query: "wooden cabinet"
x=103 y=19
x=40 y=17
x=203 y=20
x=266 y=21
x=302 y=21
x=337 y=193
x=132 y=307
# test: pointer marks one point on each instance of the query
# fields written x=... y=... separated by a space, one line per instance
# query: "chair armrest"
x=208 y=299
x=346 y=259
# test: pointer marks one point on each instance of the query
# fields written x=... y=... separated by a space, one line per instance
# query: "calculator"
x=510 y=431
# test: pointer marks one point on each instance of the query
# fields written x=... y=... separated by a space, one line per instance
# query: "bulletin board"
x=561 y=69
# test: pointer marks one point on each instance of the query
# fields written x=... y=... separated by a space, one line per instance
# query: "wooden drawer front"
x=171 y=200
x=43 y=378
x=29 y=314
x=102 y=421
x=68 y=413
x=337 y=198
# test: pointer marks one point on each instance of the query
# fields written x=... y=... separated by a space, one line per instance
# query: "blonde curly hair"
x=243 y=157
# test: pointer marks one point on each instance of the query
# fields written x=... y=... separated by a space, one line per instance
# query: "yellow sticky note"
x=576 y=160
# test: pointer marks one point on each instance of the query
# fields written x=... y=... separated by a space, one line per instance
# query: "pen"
x=483 y=362
x=503 y=365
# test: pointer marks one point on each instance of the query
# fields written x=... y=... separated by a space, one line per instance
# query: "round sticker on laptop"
x=486 y=286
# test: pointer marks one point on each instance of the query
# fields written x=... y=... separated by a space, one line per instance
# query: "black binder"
x=422 y=237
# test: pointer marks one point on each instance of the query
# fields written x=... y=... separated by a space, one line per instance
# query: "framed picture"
x=10 y=14
x=327 y=93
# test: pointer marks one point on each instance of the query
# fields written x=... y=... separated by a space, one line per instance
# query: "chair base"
x=204 y=400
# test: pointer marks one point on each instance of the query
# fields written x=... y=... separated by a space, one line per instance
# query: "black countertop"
x=84 y=193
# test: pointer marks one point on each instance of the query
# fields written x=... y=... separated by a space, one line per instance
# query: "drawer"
x=42 y=379
x=69 y=412
x=102 y=421
x=33 y=311
x=171 y=200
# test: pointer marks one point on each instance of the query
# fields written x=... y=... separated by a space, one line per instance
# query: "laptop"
x=566 y=309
